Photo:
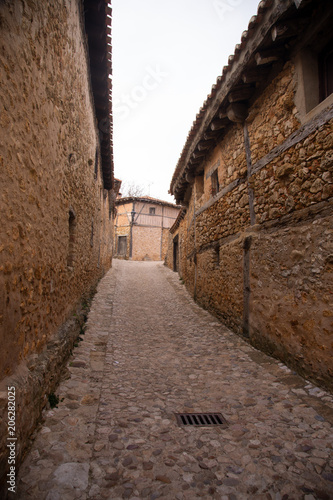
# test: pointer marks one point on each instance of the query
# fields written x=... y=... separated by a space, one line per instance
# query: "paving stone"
x=149 y=352
x=72 y=475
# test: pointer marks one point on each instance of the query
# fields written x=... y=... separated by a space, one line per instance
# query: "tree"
x=132 y=189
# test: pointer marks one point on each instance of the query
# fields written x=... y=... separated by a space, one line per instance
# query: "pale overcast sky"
x=166 y=57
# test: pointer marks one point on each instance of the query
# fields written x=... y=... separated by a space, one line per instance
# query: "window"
x=151 y=210
x=215 y=183
x=314 y=77
x=326 y=72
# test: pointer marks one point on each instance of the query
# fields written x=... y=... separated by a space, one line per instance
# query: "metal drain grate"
x=201 y=419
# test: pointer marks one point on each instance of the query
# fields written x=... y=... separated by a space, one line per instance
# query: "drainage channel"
x=201 y=419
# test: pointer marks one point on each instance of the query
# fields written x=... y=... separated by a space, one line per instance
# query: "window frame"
x=310 y=99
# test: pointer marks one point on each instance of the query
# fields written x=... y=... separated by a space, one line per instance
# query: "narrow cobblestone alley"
x=148 y=352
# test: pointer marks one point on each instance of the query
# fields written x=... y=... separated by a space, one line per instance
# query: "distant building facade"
x=141 y=227
x=253 y=242
x=57 y=197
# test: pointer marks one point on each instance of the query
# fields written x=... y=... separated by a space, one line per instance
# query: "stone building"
x=254 y=238
x=57 y=198
x=142 y=227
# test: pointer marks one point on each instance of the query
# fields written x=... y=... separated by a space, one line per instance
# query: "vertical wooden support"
x=195 y=246
x=162 y=224
x=249 y=171
x=246 y=286
x=131 y=231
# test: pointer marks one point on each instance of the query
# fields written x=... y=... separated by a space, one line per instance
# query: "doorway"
x=122 y=246
x=175 y=254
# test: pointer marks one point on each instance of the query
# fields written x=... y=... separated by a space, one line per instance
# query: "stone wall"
x=146 y=243
x=56 y=238
x=291 y=292
x=258 y=253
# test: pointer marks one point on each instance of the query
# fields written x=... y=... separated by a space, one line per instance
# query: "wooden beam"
x=204 y=145
x=100 y=91
x=96 y=5
x=199 y=171
x=210 y=134
x=194 y=163
x=198 y=154
x=105 y=151
x=241 y=94
x=98 y=75
x=97 y=55
x=237 y=112
x=222 y=114
x=218 y=125
x=258 y=74
x=102 y=106
x=269 y=56
x=283 y=31
x=190 y=177
x=299 y=135
x=96 y=34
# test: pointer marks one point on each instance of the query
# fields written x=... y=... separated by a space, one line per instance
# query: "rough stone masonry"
x=255 y=242
x=114 y=434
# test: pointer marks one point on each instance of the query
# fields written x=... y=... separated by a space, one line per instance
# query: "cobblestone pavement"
x=150 y=352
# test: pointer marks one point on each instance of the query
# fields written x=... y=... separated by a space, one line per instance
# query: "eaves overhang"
x=177 y=222
x=267 y=41
x=97 y=19
x=145 y=199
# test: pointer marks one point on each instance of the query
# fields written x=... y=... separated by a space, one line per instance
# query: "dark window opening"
x=151 y=211
x=326 y=71
x=176 y=253
x=215 y=183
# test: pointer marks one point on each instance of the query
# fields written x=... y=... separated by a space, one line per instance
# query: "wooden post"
x=249 y=168
x=246 y=286
x=162 y=224
x=131 y=231
x=195 y=247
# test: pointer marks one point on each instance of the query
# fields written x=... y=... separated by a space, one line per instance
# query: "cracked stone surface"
x=149 y=352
